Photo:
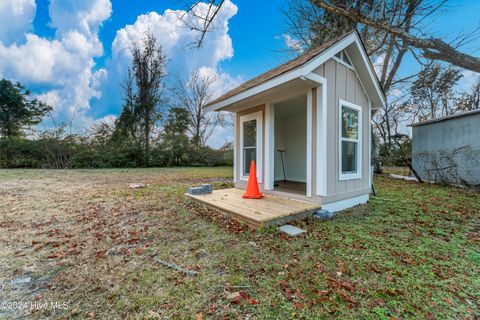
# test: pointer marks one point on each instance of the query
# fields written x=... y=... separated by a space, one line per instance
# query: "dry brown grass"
x=86 y=239
x=79 y=233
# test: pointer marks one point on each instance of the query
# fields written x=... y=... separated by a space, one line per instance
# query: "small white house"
x=312 y=113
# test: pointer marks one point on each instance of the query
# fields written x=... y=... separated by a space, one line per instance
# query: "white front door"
x=251 y=145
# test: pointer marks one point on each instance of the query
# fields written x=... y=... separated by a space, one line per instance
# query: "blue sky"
x=253 y=54
x=73 y=54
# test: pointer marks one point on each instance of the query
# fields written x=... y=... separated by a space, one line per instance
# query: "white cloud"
x=378 y=64
x=223 y=81
x=64 y=65
x=468 y=80
x=85 y=16
x=177 y=43
x=396 y=92
x=220 y=136
x=108 y=119
x=176 y=39
x=16 y=18
x=292 y=43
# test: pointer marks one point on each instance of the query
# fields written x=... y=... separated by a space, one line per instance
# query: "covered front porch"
x=268 y=211
x=280 y=133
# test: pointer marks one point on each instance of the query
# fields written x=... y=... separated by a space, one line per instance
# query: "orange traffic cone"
x=252 y=186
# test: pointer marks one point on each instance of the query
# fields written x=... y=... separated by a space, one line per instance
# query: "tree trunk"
x=147 y=137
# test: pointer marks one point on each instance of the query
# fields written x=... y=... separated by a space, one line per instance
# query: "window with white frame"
x=350 y=148
x=250 y=144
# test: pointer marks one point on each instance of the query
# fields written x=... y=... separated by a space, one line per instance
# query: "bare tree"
x=149 y=69
x=470 y=100
x=312 y=25
x=126 y=125
x=432 y=91
x=430 y=47
x=390 y=29
x=194 y=94
x=205 y=17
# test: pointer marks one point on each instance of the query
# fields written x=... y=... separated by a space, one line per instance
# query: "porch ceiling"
x=291 y=106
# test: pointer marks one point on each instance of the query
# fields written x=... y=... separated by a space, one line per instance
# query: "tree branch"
x=432 y=48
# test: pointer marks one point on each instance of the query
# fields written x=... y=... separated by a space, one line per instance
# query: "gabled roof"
x=303 y=60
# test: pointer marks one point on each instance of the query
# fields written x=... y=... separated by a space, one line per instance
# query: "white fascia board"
x=315 y=78
x=371 y=72
x=328 y=53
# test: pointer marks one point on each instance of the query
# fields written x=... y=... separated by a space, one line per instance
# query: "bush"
x=20 y=153
x=81 y=152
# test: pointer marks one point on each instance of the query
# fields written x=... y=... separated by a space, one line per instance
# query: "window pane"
x=250 y=133
x=249 y=155
x=349 y=157
x=349 y=123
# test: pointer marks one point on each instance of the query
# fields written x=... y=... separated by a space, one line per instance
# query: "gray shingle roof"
x=283 y=68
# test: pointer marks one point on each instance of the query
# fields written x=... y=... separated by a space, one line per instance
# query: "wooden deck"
x=268 y=211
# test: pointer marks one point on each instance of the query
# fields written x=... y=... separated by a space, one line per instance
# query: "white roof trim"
x=303 y=71
x=371 y=71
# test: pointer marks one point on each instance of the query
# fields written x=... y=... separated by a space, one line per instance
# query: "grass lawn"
x=84 y=239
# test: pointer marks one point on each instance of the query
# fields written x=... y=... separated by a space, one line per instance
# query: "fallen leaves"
x=102 y=254
x=334 y=283
x=350 y=251
x=409 y=261
x=377 y=302
x=238 y=297
x=247 y=298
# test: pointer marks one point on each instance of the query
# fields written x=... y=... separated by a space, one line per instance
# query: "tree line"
x=158 y=125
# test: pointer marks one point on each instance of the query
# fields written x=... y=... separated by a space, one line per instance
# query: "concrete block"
x=291 y=230
x=323 y=214
x=195 y=191
x=207 y=187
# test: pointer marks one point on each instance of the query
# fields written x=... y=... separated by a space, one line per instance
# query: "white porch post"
x=321 y=163
x=236 y=142
x=309 y=141
x=322 y=137
x=269 y=146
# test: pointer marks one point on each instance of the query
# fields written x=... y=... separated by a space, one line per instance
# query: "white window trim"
x=358 y=174
x=259 y=164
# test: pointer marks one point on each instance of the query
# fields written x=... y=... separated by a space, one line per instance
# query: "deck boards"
x=270 y=210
